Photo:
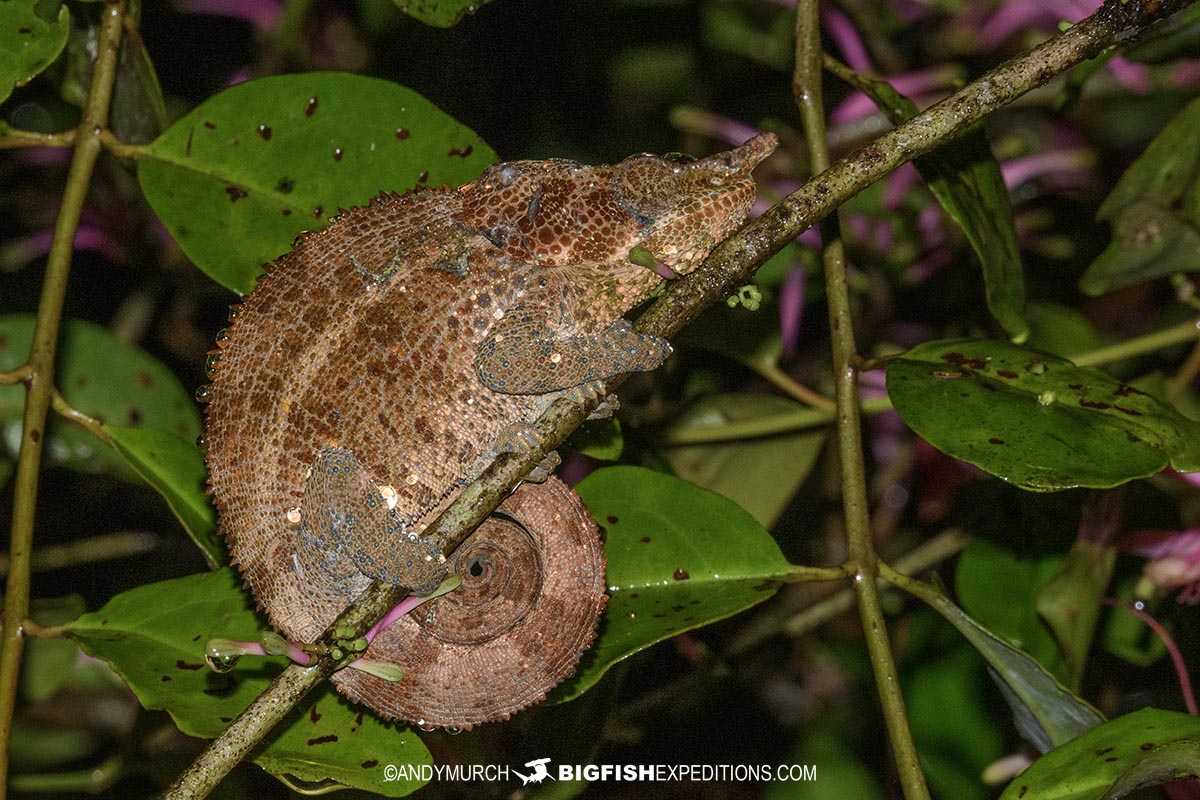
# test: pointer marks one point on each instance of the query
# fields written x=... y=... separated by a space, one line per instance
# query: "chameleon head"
x=560 y=212
x=685 y=207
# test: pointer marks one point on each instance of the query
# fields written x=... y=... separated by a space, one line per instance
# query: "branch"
x=731 y=264
x=40 y=378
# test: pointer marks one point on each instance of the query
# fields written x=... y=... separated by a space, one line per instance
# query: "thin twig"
x=12 y=139
x=40 y=383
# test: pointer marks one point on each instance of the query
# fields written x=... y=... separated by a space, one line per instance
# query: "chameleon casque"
x=381 y=364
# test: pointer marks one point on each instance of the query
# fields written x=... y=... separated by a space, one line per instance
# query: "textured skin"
x=396 y=348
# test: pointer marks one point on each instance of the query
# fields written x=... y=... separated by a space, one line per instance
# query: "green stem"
x=1140 y=345
x=774 y=425
x=806 y=87
x=40 y=382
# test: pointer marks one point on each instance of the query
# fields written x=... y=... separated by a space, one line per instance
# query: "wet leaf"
x=439 y=13
x=1071 y=601
x=679 y=557
x=759 y=473
x=174 y=468
x=235 y=180
x=1037 y=420
x=1144 y=748
x=964 y=176
x=1046 y=713
x=29 y=41
x=154 y=636
x=1154 y=211
x=105 y=378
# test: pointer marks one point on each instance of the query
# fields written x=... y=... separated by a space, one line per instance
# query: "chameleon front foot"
x=347 y=532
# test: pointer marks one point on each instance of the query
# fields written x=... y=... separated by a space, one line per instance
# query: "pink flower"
x=1174 y=559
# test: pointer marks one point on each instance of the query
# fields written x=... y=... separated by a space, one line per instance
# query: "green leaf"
x=760 y=473
x=955 y=733
x=235 y=180
x=1037 y=420
x=138 y=111
x=1071 y=601
x=29 y=41
x=174 y=468
x=439 y=13
x=679 y=557
x=999 y=590
x=1176 y=37
x=1062 y=330
x=47 y=661
x=154 y=636
x=1154 y=211
x=599 y=438
x=105 y=378
x=964 y=176
x=1144 y=748
x=1045 y=712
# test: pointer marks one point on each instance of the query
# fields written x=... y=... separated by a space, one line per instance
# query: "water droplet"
x=223 y=335
x=210 y=363
x=264 y=131
x=201 y=443
x=454 y=731
x=337 y=154
x=426 y=726
x=234 y=313
x=204 y=393
x=402 y=133
x=222 y=655
x=311 y=108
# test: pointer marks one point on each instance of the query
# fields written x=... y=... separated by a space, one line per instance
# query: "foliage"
x=1023 y=315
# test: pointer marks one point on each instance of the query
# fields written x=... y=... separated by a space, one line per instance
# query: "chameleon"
x=383 y=362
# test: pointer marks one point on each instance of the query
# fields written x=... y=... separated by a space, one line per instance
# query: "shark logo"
x=538 y=774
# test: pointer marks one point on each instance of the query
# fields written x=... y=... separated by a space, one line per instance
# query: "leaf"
x=679 y=557
x=105 y=378
x=47 y=661
x=138 y=112
x=761 y=473
x=439 y=13
x=1045 y=713
x=236 y=179
x=599 y=438
x=175 y=469
x=1037 y=420
x=1154 y=211
x=1071 y=601
x=1144 y=748
x=154 y=636
x=999 y=591
x=29 y=41
x=955 y=731
x=964 y=176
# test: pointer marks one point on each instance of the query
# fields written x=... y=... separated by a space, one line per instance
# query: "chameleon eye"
x=645 y=187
